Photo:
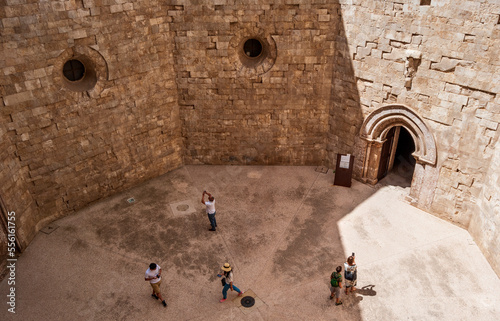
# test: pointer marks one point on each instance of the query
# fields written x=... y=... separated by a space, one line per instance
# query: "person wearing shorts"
x=153 y=275
x=350 y=274
x=336 y=285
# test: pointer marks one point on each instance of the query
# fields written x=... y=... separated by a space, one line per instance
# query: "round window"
x=252 y=48
x=252 y=52
x=74 y=70
x=79 y=68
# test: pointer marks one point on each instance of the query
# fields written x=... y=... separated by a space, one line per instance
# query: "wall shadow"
x=346 y=117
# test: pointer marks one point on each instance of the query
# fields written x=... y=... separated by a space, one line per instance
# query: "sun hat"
x=226 y=267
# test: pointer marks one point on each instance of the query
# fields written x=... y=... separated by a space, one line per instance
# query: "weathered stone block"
x=18 y=98
x=77 y=34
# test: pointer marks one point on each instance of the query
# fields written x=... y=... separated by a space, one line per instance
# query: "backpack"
x=336 y=278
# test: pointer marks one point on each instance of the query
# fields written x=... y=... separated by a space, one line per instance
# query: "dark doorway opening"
x=404 y=162
x=396 y=160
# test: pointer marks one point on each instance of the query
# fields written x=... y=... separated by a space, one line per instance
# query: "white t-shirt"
x=210 y=207
x=151 y=274
x=229 y=277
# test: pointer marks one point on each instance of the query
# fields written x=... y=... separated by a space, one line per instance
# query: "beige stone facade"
x=453 y=89
x=64 y=147
x=172 y=84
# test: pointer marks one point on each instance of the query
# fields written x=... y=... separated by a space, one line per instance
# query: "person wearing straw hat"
x=227 y=271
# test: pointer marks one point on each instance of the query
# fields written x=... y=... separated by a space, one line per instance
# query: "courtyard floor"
x=283 y=229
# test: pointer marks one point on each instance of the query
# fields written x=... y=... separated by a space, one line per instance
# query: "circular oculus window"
x=79 y=73
x=252 y=48
x=253 y=53
x=73 y=70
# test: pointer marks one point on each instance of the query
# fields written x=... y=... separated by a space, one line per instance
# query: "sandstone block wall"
x=275 y=112
x=14 y=191
x=63 y=148
x=485 y=226
x=454 y=87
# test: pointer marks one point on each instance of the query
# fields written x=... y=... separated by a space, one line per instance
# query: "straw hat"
x=226 y=267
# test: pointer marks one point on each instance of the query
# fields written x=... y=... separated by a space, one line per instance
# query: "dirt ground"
x=283 y=229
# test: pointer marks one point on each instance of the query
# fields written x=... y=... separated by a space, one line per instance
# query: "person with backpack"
x=227 y=281
x=336 y=283
x=350 y=274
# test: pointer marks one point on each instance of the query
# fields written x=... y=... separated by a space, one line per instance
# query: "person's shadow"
x=367 y=290
x=352 y=300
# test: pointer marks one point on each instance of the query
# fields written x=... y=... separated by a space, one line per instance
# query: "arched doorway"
x=382 y=131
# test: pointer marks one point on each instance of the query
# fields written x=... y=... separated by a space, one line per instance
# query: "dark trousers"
x=213 y=222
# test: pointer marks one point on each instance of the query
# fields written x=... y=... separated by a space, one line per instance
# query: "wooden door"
x=385 y=154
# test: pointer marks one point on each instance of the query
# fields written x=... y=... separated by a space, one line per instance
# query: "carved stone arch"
x=374 y=131
x=379 y=122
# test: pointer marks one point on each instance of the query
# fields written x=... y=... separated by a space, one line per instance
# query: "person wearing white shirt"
x=210 y=204
x=350 y=274
x=153 y=275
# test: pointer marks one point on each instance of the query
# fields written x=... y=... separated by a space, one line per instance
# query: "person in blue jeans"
x=228 y=275
x=210 y=209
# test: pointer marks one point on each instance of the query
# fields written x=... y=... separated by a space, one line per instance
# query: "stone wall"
x=345 y=112
x=485 y=225
x=66 y=144
x=452 y=84
x=238 y=111
x=14 y=195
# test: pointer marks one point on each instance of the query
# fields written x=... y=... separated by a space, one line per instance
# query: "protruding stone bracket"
x=377 y=125
x=412 y=61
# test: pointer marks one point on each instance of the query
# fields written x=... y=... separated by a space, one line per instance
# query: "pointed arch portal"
x=379 y=126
